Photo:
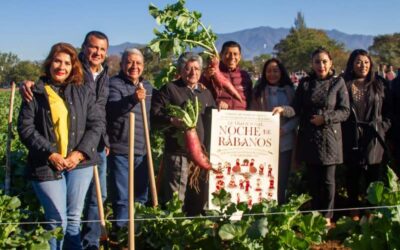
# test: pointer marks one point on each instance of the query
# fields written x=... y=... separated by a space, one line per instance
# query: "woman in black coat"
x=61 y=129
x=364 y=130
x=321 y=102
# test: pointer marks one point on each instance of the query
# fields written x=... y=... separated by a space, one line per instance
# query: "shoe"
x=355 y=215
x=328 y=222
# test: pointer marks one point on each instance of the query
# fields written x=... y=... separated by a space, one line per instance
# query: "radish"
x=220 y=81
x=195 y=149
x=189 y=115
x=183 y=30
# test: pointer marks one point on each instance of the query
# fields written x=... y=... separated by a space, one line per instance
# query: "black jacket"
x=100 y=89
x=177 y=93
x=35 y=129
x=120 y=103
x=395 y=131
x=360 y=144
x=320 y=145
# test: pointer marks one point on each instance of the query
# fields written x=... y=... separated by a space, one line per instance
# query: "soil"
x=330 y=245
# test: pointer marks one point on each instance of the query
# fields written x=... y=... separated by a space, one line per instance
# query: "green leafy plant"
x=379 y=229
x=268 y=226
x=263 y=226
x=19 y=186
x=184 y=30
x=14 y=235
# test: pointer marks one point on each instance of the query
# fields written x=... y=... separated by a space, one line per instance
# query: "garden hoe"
x=104 y=235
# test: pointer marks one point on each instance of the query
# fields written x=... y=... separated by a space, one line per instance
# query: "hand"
x=209 y=72
x=176 y=122
x=26 y=90
x=277 y=110
x=140 y=93
x=216 y=170
x=73 y=159
x=58 y=162
x=222 y=105
x=201 y=86
x=317 y=120
x=107 y=150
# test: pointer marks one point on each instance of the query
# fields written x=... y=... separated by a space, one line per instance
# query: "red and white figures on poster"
x=244 y=179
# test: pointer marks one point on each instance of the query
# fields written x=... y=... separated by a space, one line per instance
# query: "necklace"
x=358 y=90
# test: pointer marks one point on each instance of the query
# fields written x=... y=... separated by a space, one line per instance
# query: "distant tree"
x=248 y=66
x=7 y=62
x=299 y=22
x=24 y=70
x=386 y=49
x=258 y=62
x=295 y=50
x=113 y=64
x=154 y=66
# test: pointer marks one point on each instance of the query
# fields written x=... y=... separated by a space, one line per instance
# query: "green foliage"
x=189 y=114
x=17 y=148
x=165 y=75
x=300 y=22
x=258 y=62
x=264 y=226
x=296 y=49
x=25 y=70
x=156 y=69
x=380 y=229
x=19 y=185
x=12 y=69
x=15 y=236
x=182 y=30
x=248 y=65
x=386 y=48
x=7 y=62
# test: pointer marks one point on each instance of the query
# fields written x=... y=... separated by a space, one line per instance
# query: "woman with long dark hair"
x=364 y=130
x=276 y=89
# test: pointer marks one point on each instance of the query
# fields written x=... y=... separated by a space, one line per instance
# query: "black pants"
x=354 y=185
x=321 y=179
x=175 y=178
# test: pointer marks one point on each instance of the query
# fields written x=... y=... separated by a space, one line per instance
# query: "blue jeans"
x=119 y=174
x=63 y=204
x=91 y=230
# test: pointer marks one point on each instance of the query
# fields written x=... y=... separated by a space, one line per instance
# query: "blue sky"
x=28 y=28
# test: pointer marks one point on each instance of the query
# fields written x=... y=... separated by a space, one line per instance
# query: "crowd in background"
x=75 y=117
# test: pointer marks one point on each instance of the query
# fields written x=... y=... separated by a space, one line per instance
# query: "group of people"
x=387 y=72
x=76 y=117
x=341 y=120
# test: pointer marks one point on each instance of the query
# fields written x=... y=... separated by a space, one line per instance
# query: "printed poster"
x=245 y=148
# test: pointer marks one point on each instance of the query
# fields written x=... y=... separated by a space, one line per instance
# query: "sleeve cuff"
x=327 y=120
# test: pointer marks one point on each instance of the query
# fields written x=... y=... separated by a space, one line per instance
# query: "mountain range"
x=261 y=40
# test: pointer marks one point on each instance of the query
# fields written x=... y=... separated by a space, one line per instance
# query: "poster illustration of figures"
x=245 y=148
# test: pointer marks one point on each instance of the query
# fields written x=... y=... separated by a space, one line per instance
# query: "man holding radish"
x=231 y=54
x=184 y=161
